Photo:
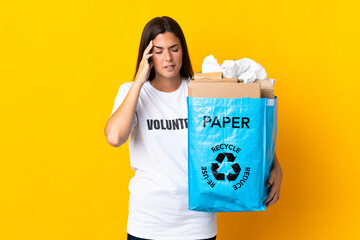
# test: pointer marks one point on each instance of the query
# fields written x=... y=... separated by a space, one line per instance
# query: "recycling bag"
x=231 y=144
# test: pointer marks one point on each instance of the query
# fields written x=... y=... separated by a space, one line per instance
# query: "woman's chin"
x=169 y=74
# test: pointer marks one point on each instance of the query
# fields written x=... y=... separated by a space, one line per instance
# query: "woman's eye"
x=171 y=50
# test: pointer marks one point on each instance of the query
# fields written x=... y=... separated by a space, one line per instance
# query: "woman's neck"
x=166 y=84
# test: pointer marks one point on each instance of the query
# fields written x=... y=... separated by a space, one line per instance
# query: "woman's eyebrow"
x=169 y=47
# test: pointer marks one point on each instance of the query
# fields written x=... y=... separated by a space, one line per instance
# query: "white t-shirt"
x=158 y=207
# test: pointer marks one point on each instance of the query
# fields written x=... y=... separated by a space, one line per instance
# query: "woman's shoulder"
x=186 y=80
x=127 y=84
x=124 y=89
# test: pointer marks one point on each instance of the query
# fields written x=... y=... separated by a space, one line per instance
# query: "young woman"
x=151 y=111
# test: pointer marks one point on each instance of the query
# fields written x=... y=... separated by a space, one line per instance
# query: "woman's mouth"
x=170 y=67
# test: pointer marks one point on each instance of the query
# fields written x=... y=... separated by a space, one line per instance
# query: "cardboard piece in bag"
x=213 y=75
x=211 y=80
x=223 y=90
x=267 y=89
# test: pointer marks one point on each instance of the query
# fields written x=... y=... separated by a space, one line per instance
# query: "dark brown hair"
x=157 y=26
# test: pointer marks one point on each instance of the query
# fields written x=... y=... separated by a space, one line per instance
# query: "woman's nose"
x=168 y=55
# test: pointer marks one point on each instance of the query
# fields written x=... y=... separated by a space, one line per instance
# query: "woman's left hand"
x=274 y=183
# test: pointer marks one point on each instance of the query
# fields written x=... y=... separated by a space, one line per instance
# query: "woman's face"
x=167 y=55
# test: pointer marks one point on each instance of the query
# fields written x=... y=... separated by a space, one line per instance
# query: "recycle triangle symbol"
x=221 y=176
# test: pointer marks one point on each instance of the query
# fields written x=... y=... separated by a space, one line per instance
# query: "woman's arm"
x=274 y=182
x=118 y=126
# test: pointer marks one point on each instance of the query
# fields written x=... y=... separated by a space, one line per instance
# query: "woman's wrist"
x=137 y=85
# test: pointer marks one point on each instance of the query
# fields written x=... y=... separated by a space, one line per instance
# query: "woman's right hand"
x=119 y=125
x=144 y=67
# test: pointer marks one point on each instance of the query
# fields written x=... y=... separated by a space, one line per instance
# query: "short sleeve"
x=123 y=91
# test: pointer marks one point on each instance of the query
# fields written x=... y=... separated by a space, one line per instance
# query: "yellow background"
x=62 y=62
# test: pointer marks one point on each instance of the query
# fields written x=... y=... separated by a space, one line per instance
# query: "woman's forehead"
x=167 y=40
